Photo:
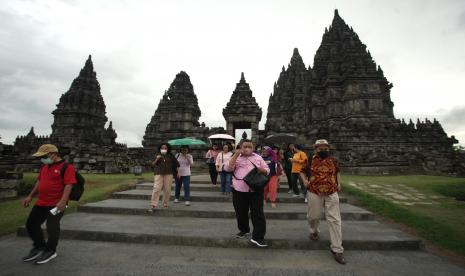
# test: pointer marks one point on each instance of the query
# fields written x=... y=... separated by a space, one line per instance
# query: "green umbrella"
x=186 y=142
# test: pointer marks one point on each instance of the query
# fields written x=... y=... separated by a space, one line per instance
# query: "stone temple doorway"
x=242 y=112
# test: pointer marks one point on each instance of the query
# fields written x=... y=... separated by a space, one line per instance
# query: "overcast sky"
x=139 y=46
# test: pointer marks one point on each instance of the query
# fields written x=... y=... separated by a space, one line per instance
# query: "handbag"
x=254 y=179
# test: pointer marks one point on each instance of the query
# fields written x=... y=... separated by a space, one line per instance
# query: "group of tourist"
x=319 y=176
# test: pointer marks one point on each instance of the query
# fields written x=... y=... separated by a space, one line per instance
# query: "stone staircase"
x=210 y=222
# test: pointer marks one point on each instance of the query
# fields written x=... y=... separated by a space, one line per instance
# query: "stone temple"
x=344 y=97
x=177 y=115
x=80 y=114
x=79 y=130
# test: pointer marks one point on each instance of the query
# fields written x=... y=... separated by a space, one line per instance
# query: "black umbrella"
x=280 y=138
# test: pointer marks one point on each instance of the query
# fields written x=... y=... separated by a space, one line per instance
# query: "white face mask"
x=46 y=161
x=163 y=151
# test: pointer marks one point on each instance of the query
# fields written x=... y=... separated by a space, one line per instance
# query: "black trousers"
x=289 y=178
x=253 y=201
x=213 y=173
x=36 y=218
x=295 y=186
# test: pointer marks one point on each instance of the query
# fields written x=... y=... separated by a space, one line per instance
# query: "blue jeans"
x=186 y=182
x=226 y=178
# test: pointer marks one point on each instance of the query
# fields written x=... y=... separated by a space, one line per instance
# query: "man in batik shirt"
x=322 y=179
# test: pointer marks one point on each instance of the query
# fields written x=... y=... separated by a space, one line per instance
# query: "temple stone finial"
x=242 y=77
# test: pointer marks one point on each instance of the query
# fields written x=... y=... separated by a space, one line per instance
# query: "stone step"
x=214 y=210
x=201 y=196
x=205 y=179
x=203 y=187
x=215 y=232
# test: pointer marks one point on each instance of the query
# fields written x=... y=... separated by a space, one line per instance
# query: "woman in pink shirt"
x=245 y=199
x=185 y=162
x=225 y=176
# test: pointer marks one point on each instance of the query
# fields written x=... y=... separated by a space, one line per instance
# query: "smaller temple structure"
x=242 y=111
x=177 y=115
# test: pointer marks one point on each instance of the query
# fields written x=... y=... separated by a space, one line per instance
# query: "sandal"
x=151 y=209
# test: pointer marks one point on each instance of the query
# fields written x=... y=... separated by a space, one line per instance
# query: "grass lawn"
x=97 y=187
x=426 y=203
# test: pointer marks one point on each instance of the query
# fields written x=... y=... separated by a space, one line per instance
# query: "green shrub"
x=26 y=184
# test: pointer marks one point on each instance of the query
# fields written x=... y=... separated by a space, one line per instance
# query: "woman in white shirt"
x=226 y=177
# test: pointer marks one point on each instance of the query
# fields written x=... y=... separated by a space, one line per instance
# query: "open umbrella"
x=280 y=138
x=221 y=136
x=186 y=142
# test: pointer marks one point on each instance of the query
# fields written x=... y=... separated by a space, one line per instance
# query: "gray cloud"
x=455 y=116
x=138 y=48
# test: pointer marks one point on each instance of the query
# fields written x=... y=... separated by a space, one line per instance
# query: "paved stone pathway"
x=398 y=193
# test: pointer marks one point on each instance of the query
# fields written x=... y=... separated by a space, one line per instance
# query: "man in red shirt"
x=53 y=190
x=322 y=179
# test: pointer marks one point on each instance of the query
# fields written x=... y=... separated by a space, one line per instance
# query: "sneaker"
x=306 y=200
x=188 y=203
x=294 y=195
x=242 y=234
x=339 y=257
x=289 y=192
x=33 y=254
x=259 y=243
x=176 y=200
x=314 y=236
x=45 y=257
x=151 y=209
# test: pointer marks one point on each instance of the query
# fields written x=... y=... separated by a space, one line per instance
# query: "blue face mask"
x=46 y=161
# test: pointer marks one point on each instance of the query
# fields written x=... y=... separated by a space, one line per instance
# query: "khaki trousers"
x=330 y=203
x=160 y=182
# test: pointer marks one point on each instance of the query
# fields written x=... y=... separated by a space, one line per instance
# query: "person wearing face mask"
x=166 y=167
x=287 y=165
x=53 y=190
x=298 y=160
x=271 y=158
x=225 y=177
x=211 y=156
x=245 y=199
x=185 y=162
x=322 y=179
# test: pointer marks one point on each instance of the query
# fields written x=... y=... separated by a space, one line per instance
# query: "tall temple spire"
x=242 y=78
x=88 y=69
x=296 y=59
x=177 y=114
x=81 y=108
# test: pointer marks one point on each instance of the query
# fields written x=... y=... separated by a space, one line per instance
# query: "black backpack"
x=78 y=188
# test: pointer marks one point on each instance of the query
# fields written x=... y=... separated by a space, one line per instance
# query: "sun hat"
x=44 y=149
